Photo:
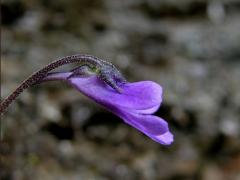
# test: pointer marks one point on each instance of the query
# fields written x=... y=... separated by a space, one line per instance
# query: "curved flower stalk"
x=101 y=81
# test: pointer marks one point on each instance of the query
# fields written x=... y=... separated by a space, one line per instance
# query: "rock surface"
x=191 y=48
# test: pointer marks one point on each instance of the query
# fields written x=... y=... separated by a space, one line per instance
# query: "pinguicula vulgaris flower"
x=134 y=103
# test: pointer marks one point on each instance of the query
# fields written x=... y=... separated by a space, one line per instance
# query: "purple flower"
x=135 y=104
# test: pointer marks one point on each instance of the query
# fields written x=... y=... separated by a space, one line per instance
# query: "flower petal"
x=144 y=96
x=165 y=139
x=149 y=124
x=134 y=105
x=152 y=126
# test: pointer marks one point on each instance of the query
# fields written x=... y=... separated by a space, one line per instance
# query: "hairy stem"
x=40 y=74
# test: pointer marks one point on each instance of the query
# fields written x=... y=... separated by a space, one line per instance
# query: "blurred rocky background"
x=190 y=47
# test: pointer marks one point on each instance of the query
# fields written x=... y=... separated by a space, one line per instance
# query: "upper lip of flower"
x=134 y=105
